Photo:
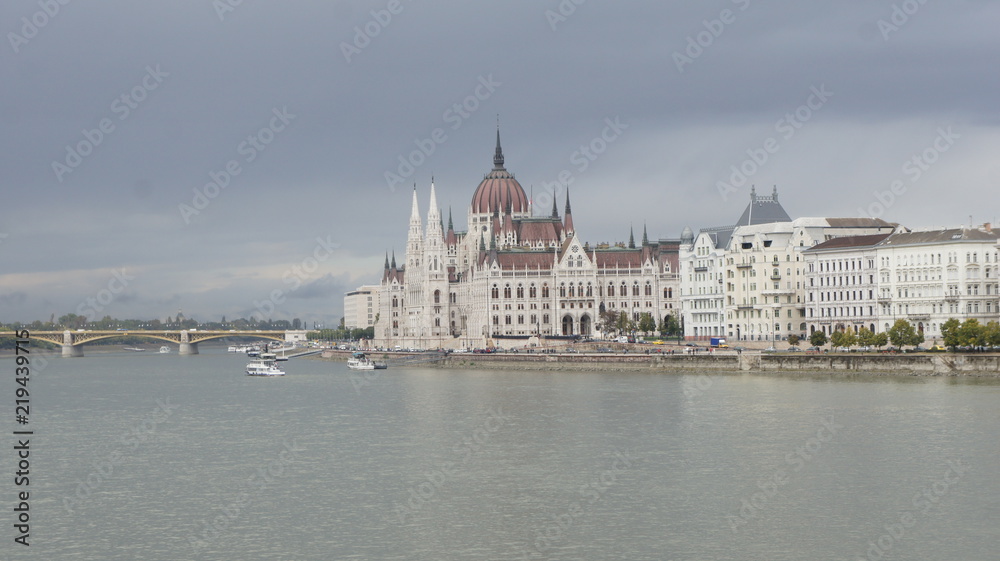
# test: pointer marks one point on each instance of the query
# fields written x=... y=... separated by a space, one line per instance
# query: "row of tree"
x=902 y=333
x=621 y=323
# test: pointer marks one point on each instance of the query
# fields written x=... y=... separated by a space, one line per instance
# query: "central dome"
x=499 y=189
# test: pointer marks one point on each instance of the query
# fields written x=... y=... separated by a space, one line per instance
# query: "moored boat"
x=360 y=361
x=264 y=365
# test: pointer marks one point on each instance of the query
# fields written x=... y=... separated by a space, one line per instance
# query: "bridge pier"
x=72 y=350
x=189 y=349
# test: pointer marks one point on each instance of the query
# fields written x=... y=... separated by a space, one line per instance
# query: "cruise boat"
x=164 y=350
x=360 y=361
x=134 y=349
x=264 y=365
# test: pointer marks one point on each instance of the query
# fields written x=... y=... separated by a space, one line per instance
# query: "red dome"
x=497 y=190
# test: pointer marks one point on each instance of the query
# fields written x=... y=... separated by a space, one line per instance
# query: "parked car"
x=690 y=344
x=813 y=349
x=794 y=350
x=770 y=350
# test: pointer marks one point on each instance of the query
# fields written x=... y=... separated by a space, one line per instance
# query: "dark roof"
x=762 y=210
x=938 y=236
x=860 y=222
x=849 y=241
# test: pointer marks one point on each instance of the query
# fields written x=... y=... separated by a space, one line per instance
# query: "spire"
x=774 y=194
x=645 y=238
x=414 y=210
x=631 y=238
x=498 y=155
x=555 y=210
x=482 y=242
x=451 y=226
x=393 y=266
x=387 y=261
x=493 y=243
x=568 y=218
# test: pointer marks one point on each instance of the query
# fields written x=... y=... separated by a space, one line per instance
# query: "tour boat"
x=264 y=366
x=164 y=349
x=134 y=349
x=360 y=361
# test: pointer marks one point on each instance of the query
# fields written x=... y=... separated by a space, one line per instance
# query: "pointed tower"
x=414 y=240
x=631 y=238
x=568 y=218
x=645 y=238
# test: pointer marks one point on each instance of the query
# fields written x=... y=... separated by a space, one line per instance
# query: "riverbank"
x=921 y=364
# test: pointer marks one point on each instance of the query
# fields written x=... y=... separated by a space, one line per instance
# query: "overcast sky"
x=311 y=103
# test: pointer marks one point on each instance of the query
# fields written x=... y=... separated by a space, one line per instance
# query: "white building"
x=765 y=273
x=361 y=306
x=842 y=288
x=514 y=276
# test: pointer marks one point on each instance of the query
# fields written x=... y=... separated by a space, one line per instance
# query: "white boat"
x=264 y=365
x=134 y=349
x=164 y=350
x=360 y=361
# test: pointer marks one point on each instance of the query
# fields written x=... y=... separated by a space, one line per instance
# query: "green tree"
x=902 y=333
x=950 y=333
x=646 y=323
x=865 y=337
x=971 y=333
x=843 y=339
x=817 y=339
x=992 y=334
x=880 y=340
x=793 y=340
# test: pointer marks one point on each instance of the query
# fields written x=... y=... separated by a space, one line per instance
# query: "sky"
x=230 y=158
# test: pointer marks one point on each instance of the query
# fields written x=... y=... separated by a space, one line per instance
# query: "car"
x=794 y=350
x=604 y=350
x=770 y=350
x=658 y=342
x=690 y=344
x=813 y=349
x=937 y=349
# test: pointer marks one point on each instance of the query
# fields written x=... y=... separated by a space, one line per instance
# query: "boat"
x=360 y=361
x=164 y=350
x=253 y=352
x=264 y=365
x=134 y=349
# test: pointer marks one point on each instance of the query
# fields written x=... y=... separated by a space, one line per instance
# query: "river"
x=167 y=457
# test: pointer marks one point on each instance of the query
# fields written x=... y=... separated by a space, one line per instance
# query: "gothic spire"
x=450 y=225
x=387 y=261
x=645 y=238
x=631 y=238
x=567 y=200
x=555 y=209
x=498 y=155
x=393 y=266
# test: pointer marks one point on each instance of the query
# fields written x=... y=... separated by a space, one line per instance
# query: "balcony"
x=700 y=269
x=744 y=266
x=775 y=277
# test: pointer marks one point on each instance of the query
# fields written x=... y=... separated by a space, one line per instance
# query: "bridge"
x=72 y=341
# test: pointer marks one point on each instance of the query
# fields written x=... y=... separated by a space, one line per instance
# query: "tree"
x=971 y=333
x=992 y=334
x=608 y=321
x=793 y=340
x=296 y=323
x=817 y=339
x=865 y=337
x=646 y=323
x=902 y=333
x=950 y=333
x=843 y=339
x=880 y=340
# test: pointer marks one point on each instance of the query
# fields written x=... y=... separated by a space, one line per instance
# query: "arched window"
x=649 y=289
x=611 y=289
x=506 y=291
x=437 y=296
x=635 y=289
x=495 y=292
x=532 y=292
x=520 y=291
x=562 y=290
x=545 y=290
x=590 y=290
x=572 y=290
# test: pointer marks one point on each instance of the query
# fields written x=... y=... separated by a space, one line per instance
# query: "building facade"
x=361 y=307
x=513 y=277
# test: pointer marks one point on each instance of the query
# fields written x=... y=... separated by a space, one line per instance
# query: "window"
x=520 y=291
x=495 y=293
x=545 y=291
